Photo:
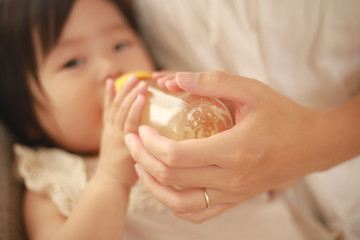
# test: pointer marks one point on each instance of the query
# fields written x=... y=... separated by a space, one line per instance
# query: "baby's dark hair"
x=20 y=22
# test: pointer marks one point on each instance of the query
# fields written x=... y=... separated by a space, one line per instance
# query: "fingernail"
x=187 y=77
x=139 y=170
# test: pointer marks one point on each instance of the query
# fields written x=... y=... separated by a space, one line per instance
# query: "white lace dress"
x=63 y=176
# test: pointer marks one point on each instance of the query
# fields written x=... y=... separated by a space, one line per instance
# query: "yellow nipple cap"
x=141 y=75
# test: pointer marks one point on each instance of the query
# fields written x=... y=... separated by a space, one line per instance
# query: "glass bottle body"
x=183 y=115
x=180 y=115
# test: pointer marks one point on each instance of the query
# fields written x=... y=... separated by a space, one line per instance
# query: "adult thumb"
x=214 y=83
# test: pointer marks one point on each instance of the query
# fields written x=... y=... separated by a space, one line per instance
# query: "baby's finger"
x=134 y=116
x=123 y=110
x=123 y=92
x=109 y=96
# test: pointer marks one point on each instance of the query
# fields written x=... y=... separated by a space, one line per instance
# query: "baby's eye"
x=122 y=46
x=73 y=63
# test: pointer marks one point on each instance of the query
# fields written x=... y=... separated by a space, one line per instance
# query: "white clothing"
x=309 y=50
x=63 y=176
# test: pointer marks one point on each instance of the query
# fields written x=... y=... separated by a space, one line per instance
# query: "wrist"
x=339 y=132
x=104 y=178
x=120 y=169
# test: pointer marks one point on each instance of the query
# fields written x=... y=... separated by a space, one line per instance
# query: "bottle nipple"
x=141 y=75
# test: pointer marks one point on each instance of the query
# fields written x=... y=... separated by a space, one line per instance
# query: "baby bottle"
x=180 y=115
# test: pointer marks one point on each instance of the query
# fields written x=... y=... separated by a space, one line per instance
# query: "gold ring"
x=206 y=197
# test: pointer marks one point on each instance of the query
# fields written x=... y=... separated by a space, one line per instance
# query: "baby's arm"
x=100 y=212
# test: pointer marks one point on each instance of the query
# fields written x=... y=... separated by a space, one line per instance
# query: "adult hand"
x=274 y=141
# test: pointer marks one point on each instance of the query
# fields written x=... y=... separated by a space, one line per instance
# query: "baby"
x=59 y=58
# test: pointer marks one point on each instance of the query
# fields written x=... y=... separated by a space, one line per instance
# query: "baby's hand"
x=166 y=80
x=122 y=114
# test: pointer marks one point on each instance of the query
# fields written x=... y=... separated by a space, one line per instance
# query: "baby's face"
x=96 y=43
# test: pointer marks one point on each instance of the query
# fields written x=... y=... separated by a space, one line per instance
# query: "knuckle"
x=229 y=187
x=164 y=175
x=172 y=156
x=237 y=157
x=216 y=78
x=236 y=183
